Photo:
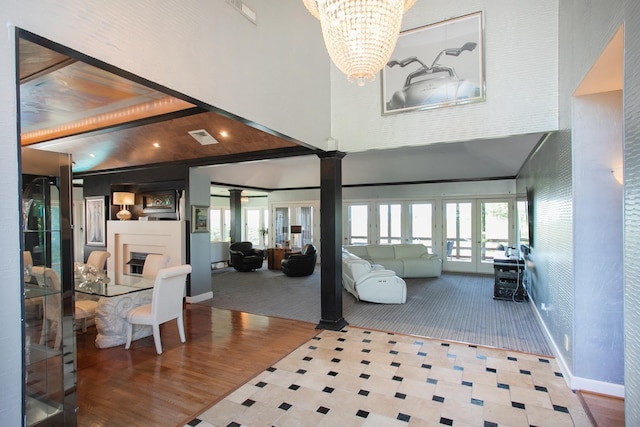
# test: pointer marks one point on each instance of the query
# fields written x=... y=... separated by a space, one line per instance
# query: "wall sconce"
x=618 y=174
x=123 y=199
x=244 y=199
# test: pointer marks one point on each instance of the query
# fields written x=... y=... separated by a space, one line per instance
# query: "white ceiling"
x=470 y=160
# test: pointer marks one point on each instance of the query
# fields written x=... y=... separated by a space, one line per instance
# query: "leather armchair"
x=243 y=257
x=300 y=264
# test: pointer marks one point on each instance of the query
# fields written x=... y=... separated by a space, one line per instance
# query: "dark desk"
x=509 y=273
x=275 y=257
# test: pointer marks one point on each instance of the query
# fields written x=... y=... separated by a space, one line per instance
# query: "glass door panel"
x=390 y=220
x=252 y=226
x=421 y=224
x=494 y=227
x=459 y=247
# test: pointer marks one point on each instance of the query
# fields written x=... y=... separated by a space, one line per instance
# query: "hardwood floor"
x=136 y=387
x=605 y=411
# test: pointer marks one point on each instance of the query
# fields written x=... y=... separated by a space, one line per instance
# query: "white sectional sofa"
x=407 y=260
x=371 y=283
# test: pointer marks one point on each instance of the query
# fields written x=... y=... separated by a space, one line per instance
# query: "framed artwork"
x=159 y=202
x=438 y=65
x=95 y=221
x=199 y=219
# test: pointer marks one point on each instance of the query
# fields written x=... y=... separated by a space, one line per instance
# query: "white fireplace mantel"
x=158 y=237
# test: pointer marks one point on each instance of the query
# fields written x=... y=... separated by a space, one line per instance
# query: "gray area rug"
x=457 y=307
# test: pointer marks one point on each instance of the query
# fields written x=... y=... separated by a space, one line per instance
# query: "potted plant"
x=264 y=232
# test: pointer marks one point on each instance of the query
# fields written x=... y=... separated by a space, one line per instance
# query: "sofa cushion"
x=409 y=251
x=378 y=252
x=360 y=251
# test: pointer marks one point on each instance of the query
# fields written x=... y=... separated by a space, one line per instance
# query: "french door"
x=474 y=230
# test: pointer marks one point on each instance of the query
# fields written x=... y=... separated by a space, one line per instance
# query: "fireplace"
x=129 y=240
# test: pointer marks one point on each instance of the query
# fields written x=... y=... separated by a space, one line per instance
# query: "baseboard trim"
x=573 y=382
x=199 y=298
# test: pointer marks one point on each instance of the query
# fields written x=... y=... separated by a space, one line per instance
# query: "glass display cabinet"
x=49 y=366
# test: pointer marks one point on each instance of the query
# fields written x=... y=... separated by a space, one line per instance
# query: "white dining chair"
x=166 y=304
x=83 y=310
x=37 y=302
x=48 y=278
x=154 y=263
x=98 y=259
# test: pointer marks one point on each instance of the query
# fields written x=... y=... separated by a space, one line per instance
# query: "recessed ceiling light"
x=224 y=133
x=155 y=144
x=92 y=155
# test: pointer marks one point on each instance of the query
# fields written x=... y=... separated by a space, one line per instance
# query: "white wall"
x=521 y=82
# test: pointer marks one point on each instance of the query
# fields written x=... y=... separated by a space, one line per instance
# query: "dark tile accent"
x=323 y=410
x=490 y=424
x=271 y=369
x=504 y=386
x=513 y=359
x=444 y=344
x=491 y=370
x=316 y=338
x=366 y=350
x=365 y=376
x=525 y=372
x=338 y=349
x=541 y=388
x=467 y=383
x=473 y=346
x=363 y=392
x=367 y=332
x=393 y=352
x=458 y=368
x=285 y=406
x=248 y=403
x=478 y=402
x=481 y=357
x=397 y=378
x=518 y=405
x=234 y=424
x=366 y=341
x=294 y=387
x=301 y=371
x=328 y=390
x=332 y=373
x=438 y=399
x=432 y=381
x=400 y=395
x=403 y=417
x=418 y=342
x=335 y=360
x=361 y=413
x=425 y=366
x=451 y=355
x=313 y=347
x=261 y=384
x=194 y=422
x=364 y=362
x=307 y=358
x=422 y=353
x=396 y=364
x=543 y=360
x=393 y=342
x=558 y=374
x=342 y=339
x=446 y=421
x=561 y=409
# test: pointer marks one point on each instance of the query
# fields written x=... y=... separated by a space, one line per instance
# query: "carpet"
x=456 y=307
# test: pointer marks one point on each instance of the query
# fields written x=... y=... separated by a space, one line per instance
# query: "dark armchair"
x=300 y=264
x=243 y=257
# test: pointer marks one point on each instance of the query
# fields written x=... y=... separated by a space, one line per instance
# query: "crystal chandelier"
x=360 y=35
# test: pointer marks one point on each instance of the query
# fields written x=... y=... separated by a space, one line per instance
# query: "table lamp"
x=123 y=199
x=296 y=229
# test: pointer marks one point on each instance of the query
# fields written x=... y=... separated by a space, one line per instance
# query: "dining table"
x=115 y=300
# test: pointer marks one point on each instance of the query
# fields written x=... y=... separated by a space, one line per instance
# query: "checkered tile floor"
x=358 y=377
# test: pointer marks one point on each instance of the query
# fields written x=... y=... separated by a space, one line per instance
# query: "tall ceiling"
x=110 y=120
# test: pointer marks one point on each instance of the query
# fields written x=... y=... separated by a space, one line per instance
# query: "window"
x=390 y=223
x=219 y=224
